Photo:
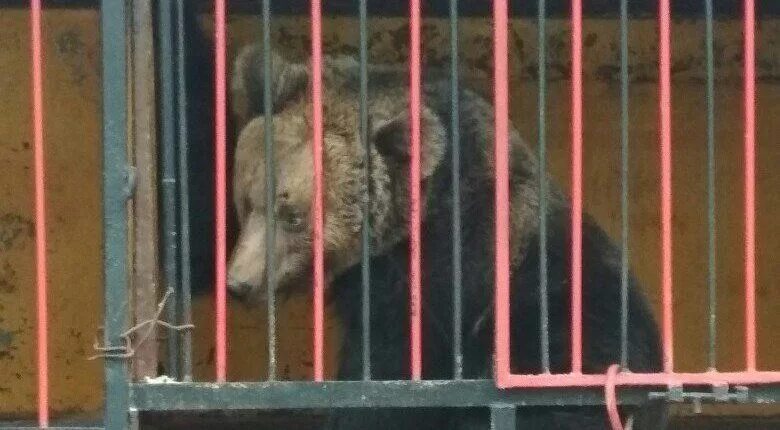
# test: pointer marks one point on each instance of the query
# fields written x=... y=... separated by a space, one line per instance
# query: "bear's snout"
x=238 y=289
x=246 y=268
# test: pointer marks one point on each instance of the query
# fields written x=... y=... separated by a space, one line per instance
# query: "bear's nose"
x=237 y=288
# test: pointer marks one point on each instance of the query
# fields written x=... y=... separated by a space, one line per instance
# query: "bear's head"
x=276 y=242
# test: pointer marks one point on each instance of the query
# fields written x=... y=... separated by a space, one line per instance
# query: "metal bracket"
x=721 y=393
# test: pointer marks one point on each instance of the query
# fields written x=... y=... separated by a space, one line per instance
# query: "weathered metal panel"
x=116 y=191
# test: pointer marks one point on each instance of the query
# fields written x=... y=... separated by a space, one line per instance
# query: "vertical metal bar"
x=145 y=216
x=576 y=184
x=503 y=417
x=544 y=317
x=134 y=418
x=115 y=193
x=220 y=66
x=501 y=102
x=168 y=161
x=184 y=192
x=415 y=250
x=317 y=204
x=750 y=184
x=270 y=192
x=366 y=232
x=42 y=340
x=624 y=214
x=457 y=245
x=711 y=263
x=665 y=111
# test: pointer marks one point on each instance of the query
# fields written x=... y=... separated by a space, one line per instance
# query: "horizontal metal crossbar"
x=389 y=394
x=634 y=379
x=555 y=8
x=31 y=427
x=348 y=394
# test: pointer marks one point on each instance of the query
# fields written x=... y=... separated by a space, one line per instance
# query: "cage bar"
x=42 y=332
x=365 y=263
x=457 y=243
x=169 y=179
x=220 y=245
x=665 y=113
x=365 y=394
x=544 y=305
x=750 y=184
x=414 y=192
x=711 y=263
x=185 y=310
x=270 y=190
x=503 y=417
x=576 y=186
x=396 y=394
x=145 y=264
x=317 y=203
x=624 y=188
x=501 y=105
x=562 y=380
x=113 y=21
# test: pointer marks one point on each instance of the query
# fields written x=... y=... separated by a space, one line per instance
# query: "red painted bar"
x=635 y=379
x=40 y=214
x=576 y=186
x=750 y=184
x=414 y=189
x=221 y=190
x=665 y=110
x=317 y=200
x=501 y=102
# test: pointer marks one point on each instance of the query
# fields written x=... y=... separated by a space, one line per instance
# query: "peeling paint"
x=7 y=278
x=7 y=346
x=12 y=227
x=72 y=49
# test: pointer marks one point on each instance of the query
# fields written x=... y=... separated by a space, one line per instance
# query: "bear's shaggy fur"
x=387 y=191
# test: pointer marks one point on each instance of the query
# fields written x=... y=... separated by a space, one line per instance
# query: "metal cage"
x=125 y=399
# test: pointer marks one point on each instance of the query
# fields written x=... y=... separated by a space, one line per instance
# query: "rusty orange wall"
x=73 y=178
x=72 y=102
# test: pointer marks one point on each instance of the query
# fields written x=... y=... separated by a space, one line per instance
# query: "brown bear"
x=346 y=191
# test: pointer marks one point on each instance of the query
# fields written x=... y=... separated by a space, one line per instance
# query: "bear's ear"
x=392 y=139
x=288 y=80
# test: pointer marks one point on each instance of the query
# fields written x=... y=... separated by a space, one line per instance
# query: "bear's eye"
x=294 y=221
x=291 y=219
